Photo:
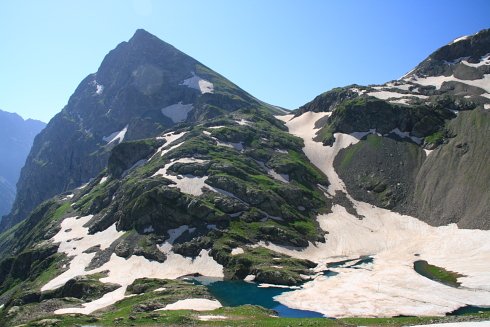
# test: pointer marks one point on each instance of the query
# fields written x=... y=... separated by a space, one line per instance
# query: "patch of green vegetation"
x=61 y=211
x=435 y=138
x=246 y=315
x=325 y=135
x=374 y=140
x=48 y=273
x=305 y=227
x=144 y=285
x=259 y=261
x=437 y=274
x=300 y=159
x=85 y=204
x=347 y=155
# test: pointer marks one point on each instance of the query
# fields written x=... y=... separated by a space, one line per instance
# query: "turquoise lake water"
x=237 y=292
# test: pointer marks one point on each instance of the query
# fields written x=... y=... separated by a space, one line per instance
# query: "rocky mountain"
x=345 y=205
x=431 y=124
x=142 y=87
x=16 y=137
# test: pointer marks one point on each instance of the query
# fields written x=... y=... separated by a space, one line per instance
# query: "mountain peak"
x=144 y=39
x=142 y=35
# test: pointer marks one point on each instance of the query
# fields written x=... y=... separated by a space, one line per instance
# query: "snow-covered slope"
x=389 y=285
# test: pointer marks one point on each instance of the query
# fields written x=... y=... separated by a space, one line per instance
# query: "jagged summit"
x=142 y=34
x=142 y=37
x=144 y=48
x=141 y=88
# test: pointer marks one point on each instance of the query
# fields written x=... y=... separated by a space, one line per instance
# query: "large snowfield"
x=389 y=286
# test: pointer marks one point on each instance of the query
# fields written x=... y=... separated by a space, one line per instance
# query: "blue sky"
x=282 y=51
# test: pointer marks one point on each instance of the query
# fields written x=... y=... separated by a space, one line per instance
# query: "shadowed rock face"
x=447 y=113
x=452 y=184
x=381 y=171
x=16 y=137
x=134 y=83
x=472 y=48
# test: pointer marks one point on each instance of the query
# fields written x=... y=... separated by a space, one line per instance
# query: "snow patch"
x=116 y=136
x=69 y=196
x=189 y=184
x=249 y=278
x=170 y=139
x=81 y=187
x=193 y=304
x=385 y=95
x=211 y=318
x=100 y=89
x=177 y=112
x=358 y=91
x=237 y=146
x=237 y=251
x=74 y=239
x=437 y=81
x=243 y=122
x=77 y=240
x=484 y=61
x=360 y=135
x=460 y=39
x=199 y=84
x=160 y=289
x=265 y=285
x=404 y=87
x=103 y=180
x=321 y=156
x=401 y=134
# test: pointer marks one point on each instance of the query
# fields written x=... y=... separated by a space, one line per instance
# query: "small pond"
x=237 y=292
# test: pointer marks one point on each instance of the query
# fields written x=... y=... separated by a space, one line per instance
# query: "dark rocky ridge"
x=473 y=47
x=134 y=82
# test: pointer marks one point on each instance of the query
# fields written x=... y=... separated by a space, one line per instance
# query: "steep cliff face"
x=16 y=137
x=440 y=108
x=452 y=184
x=142 y=87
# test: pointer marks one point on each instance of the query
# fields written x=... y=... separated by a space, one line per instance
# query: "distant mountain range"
x=16 y=137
